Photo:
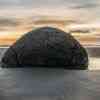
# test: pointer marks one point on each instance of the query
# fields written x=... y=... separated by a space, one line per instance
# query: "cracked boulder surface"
x=46 y=47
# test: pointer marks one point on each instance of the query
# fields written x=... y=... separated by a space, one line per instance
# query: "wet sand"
x=49 y=84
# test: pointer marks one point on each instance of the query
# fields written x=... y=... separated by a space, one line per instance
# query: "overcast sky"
x=19 y=13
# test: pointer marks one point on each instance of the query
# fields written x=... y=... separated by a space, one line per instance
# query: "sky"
x=16 y=16
x=14 y=13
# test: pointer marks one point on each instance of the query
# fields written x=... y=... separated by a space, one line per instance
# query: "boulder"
x=46 y=47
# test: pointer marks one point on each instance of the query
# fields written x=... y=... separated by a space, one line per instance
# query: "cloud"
x=77 y=10
x=49 y=3
x=30 y=3
x=8 y=22
x=85 y=6
x=80 y=31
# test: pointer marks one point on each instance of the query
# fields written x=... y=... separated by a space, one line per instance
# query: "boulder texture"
x=46 y=47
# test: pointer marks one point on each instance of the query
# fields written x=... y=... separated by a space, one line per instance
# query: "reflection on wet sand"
x=94 y=63
x=94 y=57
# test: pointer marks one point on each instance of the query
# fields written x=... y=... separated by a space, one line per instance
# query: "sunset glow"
x=79 y=17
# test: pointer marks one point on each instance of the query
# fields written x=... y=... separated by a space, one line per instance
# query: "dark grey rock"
x=46 y=47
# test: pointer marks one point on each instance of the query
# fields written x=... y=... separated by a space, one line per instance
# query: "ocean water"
x=93 y=53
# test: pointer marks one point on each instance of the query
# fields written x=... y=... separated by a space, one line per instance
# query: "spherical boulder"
x=46 y=47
